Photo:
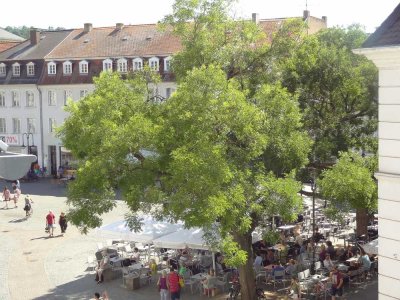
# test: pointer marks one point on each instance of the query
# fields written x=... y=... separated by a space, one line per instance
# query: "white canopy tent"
x=150 y=230
x=193 y=238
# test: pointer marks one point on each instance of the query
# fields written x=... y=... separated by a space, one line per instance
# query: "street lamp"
x=27 y=135
x=313 y=189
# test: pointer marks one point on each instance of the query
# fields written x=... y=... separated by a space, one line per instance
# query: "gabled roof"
x=7 y=45
x=388 y=34
x=130 y=41
x=27 y=51
x=9 y=37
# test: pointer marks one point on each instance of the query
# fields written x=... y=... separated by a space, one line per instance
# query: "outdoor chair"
x=222 y=281
x=278 y=277
x=92 y=263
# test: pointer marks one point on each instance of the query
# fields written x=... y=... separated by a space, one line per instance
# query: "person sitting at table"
x=260 y=246
x=330 y=249
x=337 y=283
x=328 y=264
x=317 y=235
x=292 y=268
x=270 y=258
x=135 y=256
x=365 y=262
x=278 y=267
x=348 y=253
x=207 y=284
x=103 y=265
x=322 y=253
x=258 y=261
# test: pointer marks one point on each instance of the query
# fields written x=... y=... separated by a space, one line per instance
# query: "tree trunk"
x=362 y=221
x=246 y=271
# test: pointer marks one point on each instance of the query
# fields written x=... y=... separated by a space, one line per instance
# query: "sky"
x=74 y=13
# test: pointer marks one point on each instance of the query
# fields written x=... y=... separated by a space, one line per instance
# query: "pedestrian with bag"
x=162 y=286
x=50 y=223
x=174 y=284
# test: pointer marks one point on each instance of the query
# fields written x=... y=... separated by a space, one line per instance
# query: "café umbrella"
x=371 y=247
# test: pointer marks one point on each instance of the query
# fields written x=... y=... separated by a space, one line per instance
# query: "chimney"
x=87 y=27
x=306 y=14
x=255 y=18
x=34 y=36
x=325 y=19
x=119 y=26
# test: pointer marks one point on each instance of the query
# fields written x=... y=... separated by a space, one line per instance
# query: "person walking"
x=162 y=286
x=50 y=223
x=28 y=206
x=173 y=285
x=17 y=193
x=62 y=221
x=6 y=196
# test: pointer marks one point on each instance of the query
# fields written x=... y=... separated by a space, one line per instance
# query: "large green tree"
x=224 y=147
x=337 y=91
x=349 y=185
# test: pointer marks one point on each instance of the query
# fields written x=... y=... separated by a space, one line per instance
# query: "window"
x=168 y=92
x=31 y=127
x=67 y=68
x=137 y=64
x=67 y=95
x=16 y=125
x=2 y=99
x=107 y=65
x=122 y=65
x=30 y=99
x=14 y=99
x=83 y=93
x=51 y=68
x=83 y=67
x=167 y=64
x=3 y=125
x=154 y=63
x=52 y=100
x=52 y=125
x=2 y=69
x=30 y=69
x=16 y=69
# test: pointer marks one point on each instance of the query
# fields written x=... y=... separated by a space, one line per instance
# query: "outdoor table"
x=342 y=267
x=286 y=227
x=317 y=278
x=352 y=259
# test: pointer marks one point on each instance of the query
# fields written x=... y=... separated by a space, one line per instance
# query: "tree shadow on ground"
x=18 y=220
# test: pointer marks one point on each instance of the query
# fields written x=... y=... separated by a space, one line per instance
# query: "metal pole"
x=312 y=268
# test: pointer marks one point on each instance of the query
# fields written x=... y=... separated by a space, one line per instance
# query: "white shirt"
x=258 y=261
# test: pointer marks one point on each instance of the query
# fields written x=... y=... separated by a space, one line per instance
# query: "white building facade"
x=383 y=48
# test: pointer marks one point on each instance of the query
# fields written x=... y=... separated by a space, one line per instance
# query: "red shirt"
x=173 y=281
x=50 y=218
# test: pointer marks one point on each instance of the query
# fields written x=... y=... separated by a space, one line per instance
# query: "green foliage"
x=22 y=31
x=233 y=255
x=271 y=237
x=337 y=90
x=350 y=183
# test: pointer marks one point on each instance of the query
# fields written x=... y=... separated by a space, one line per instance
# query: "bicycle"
x=234 y=290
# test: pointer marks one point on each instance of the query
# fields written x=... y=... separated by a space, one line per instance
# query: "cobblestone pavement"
x=33 y=266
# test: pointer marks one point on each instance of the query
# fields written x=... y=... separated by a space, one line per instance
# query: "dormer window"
x=107 y=65
x=137 y=64
x=30 y=69
x=67 y=68
x=16 y=69
x=83 y=67
x=167 y=64
x=51 y=68
x=154 y=63
x=122 y=65
x=2 y=69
